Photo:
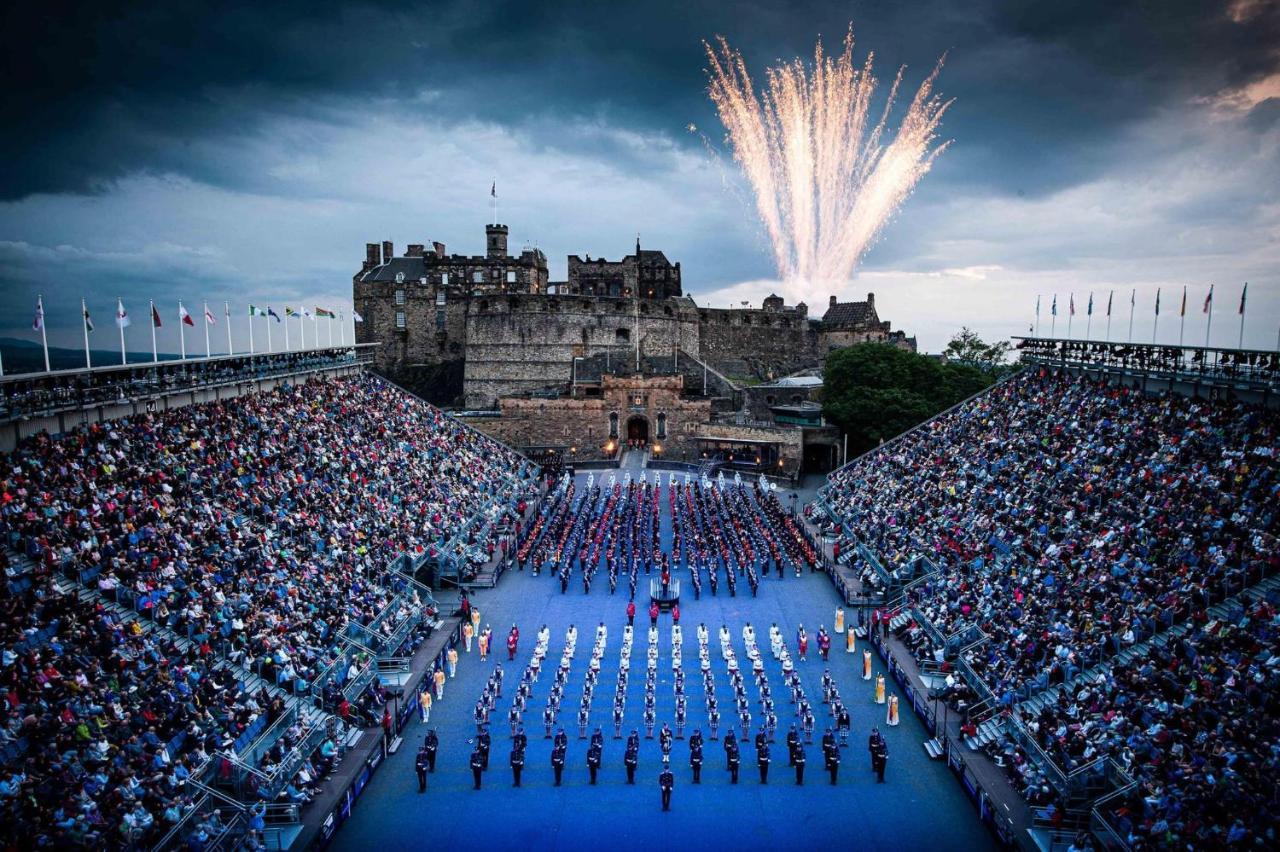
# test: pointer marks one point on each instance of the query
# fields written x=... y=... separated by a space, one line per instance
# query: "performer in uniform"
x=666 y=782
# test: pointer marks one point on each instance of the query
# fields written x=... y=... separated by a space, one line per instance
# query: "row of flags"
x=186 y=320
x=1133 y=301
x=1207 y=308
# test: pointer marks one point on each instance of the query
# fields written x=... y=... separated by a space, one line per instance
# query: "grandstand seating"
x=1076 y=538
x=191 y=595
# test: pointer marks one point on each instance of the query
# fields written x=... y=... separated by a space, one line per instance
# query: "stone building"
x=575 y=369
x=847 y=323
x=647 y=274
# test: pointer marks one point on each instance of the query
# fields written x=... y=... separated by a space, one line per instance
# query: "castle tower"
x=495 y=241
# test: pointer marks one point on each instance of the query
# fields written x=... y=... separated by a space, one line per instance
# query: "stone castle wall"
x=519 y=343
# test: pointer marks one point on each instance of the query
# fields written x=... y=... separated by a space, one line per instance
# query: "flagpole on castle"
x=84 y=324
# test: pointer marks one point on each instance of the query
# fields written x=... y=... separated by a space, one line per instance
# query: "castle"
x=491 y=332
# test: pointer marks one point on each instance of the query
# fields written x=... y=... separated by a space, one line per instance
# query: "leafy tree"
x=873 y=391
x=968 y=348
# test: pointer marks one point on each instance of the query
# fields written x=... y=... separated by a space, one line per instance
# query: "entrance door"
x=638 y=431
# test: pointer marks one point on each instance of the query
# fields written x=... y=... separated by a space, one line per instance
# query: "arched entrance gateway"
x=638 y=430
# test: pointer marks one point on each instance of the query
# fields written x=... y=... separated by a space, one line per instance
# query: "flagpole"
x=251 y=329
x=1156 y=324
x=1182 y=323
x=208 y=353
x=182 y=332
x=1071 y=314
x=226 y=313
x=120 y=317
x=155 y=357
x=1037 y=316
x=44 y=337
x=287 y=348
x=1209 y=322
x=1240 y=345
x=1133 y=301
x=1110 y=299
x=267 y=318
x=1088 y=324
x=342 y=330
x=84 y=323
x=328 y=323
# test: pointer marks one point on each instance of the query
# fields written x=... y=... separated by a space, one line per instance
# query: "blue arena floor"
x=920 y=805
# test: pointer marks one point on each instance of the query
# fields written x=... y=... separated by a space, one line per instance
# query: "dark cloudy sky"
x=247 y=151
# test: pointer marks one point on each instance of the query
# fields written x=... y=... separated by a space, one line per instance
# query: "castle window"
x=511 y=278
x=444 y=279
x=662 y=424
x=399 y=297
x=769 y=400
x=400 y=322
x=477 y=277
x=440 y=298
x=667 y=310
x=484 y=304
x=613 y=425
x=622 y=335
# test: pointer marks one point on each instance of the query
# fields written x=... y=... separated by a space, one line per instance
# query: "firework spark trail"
x=823 y=181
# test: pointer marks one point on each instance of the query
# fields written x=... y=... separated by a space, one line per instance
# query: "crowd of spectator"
x=255 y=531
x=1069 y=520
x=1196 y=722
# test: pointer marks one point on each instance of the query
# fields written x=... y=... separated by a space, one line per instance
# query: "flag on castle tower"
x=1208 y=300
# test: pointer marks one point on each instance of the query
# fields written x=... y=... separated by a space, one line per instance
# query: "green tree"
x=873 y=392
x=968 y=348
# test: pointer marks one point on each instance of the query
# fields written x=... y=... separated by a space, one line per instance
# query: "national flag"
x=1037 y=306
x=1133 y=297
x=1072 y=305
x=184 y=316
x=289 y=312
x=1111 y=296
x=322 y=313
x=1053 y=309
x=1157 y=301
x=271 y=312
x=356 y=315
x=306 y=314
x=122 y=316
x=155 y=317
x=1208 y=300
x=38 y=322
x=1243 y=294
x=88 y=320
x=255 y=311
x=1089 y=310
x=208 y=316
x=1183 y=312
x=493 y=190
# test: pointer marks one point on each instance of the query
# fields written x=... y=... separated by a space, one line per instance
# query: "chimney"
x=439 y=249
x=833 y=301
x=413 y=250
x=370 y=256
x=388 y=251
x=871 y=298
